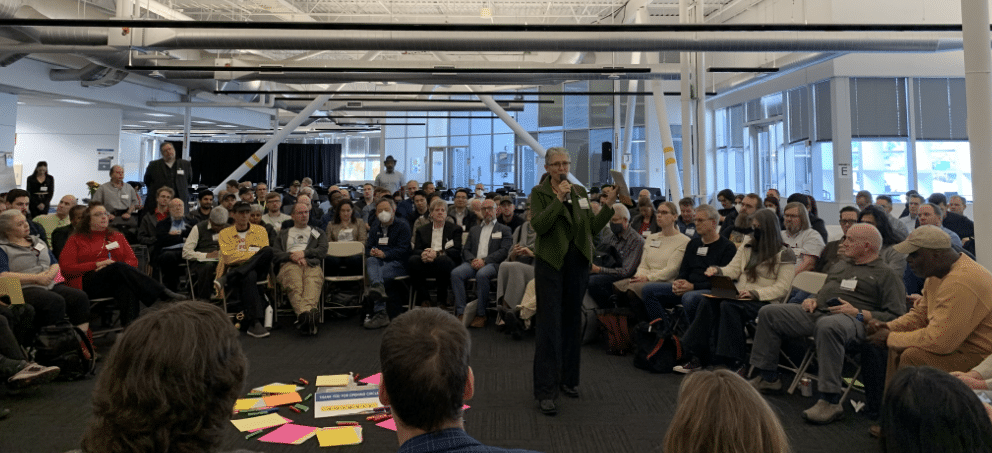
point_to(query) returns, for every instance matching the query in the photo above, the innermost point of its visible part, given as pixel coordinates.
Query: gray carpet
(621, 409)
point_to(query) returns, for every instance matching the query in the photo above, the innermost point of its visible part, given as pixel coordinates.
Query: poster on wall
(105, 158)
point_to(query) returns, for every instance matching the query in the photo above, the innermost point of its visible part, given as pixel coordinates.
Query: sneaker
(823, 413)
(258, 330)
(32, 374)
(688, 367)
(760, 384)
(478, 322)
(314, 316)
(378, 321)
(302, 324)
(218, 289)
(548, 407)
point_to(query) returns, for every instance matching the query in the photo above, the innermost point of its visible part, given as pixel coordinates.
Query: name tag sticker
(646, 233)
(315, 234)
(449, 244)
(39, 246)
(254, 248)
(384, 240)
(113, 246)
(584, 203)
(690, 231)
(702, 251)
(44, 189)
(215, 236)
(849, 284)
(656, 243)
(180, 172)
(497, 235)
(125, 196)
(346, 230)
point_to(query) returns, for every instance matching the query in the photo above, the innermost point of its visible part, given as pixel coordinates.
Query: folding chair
(342, 250)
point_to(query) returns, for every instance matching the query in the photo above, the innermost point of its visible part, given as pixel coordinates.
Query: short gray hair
(554, 151)
(7, 220)
(709, 211)
(621, 210)
(256, 208)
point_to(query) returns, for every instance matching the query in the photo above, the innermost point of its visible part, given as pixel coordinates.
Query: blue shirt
(451, 440)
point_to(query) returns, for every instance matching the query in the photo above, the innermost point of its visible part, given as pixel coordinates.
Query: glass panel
(528, 117)
(551, 114)
(826, 175)
(353, 170)
(437, 127)
(482, 123)
(577, 144)
(504, 161)
(576, 107)
(480, 167)
(437, 163)
(601, 107)
(944, 167)
(416, 127)
(356, 146)
(458, 168)
(459, 126)
(599, 171)
(879, 166)
(532, 167)
(416, 159)
(394, 131)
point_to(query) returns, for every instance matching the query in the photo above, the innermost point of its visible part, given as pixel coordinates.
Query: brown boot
(479, 321)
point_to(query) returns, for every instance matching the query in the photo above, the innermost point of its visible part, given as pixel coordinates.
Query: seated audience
(170, 235)
(862, 199)
(227, 201)
(762, 270)
(98, 260)
(727, 210)
(507, 216)
(27, 259)
(958, 223)
(146, 227)
(488, 245)
(437, 249)
(205, 202)
(19, 199)
(334, 198)
(15, 369)
(246, 194)
(957, 204)
(660, 258)
(950, 326)
(815, 221)
(121, 201)
(387, 250)
(368, 212)
(927, 410)
(863, 288)
(476, 206)
(202, 251)
(273, 216)
(518, 269)
(61, 234)
(874, 216)
(644, 222)
(298, 254)
(255, 217)
(231, 187)
(687, 212)
(289, 198)
(773, 204)
(718, 412)
(805, 243)
(618, 254)
(691, 284)
(245, 258)
(58, 219)
(885, 202)
(419, 207)
(979, 377)
(262, 189)
(739, 230)
(169, 384)
(345, 227)
(460, 214)
(831, 252)
(426, 379)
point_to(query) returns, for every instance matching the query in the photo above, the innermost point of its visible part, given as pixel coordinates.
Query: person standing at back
(565, 227)
(168, 172)
(41, 186)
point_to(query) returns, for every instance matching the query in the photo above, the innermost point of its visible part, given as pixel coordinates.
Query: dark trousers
(203, 273)
(52, 306)
(439, 269)
(168, 263)
(600, 289)
(335, 266)
(126, 285)
(719, 329)
(558, 327)
(873, 363)
(245, 277)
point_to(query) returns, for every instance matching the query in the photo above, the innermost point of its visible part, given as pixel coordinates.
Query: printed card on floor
(262, 422)
(282, 399)
(342, 435)
(289, 434)
(336, 380)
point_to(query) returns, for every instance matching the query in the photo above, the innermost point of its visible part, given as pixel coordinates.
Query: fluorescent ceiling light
(202, 122)
(160, 115)
(225, 125)
(152, 122)
(132, 125)
(76, 101)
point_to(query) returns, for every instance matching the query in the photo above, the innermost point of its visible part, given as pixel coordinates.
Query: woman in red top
(98, 260)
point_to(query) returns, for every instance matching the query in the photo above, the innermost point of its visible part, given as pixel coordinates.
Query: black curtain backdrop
(213, 162)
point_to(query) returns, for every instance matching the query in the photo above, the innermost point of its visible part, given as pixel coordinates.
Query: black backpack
(655, 348)
(65, 346)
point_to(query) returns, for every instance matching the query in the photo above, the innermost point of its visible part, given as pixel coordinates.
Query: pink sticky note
(288, 434)
(374, 379)
(388, 424)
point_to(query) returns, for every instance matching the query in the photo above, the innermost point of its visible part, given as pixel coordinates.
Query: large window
(360, 158)
(944, 167)
(879, 166)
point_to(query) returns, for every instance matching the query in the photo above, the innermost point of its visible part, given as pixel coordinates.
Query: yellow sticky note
(262, 422)
(279, 388)
(343, 435)
(337, 380)
(245, 403)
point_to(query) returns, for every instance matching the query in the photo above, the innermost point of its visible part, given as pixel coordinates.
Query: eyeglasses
(848, 222)
(560, 164)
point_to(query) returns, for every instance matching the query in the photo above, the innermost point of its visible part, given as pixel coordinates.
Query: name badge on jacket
(113, 246)
(497, 235)
(180, 172)
(384, 240)
(584, 203)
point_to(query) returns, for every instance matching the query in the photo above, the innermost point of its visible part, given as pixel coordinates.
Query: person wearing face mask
(388, 246)
(762, 270)
(170, 172)
(487, 246)
(625, 246)
(480, 191)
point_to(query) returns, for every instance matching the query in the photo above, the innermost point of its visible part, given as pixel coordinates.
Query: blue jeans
(379, 271)
(659, 296)
(483, 278)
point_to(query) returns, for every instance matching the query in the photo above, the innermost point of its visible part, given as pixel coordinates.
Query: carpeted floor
(621, 409)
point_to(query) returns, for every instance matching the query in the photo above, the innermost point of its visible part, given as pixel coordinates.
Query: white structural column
(840, 122)
(686, 91)
(668, 145)
(513, 124)
(978, 86)
(700, 142)
(276, 139)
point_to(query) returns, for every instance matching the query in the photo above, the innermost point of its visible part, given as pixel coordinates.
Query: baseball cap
(924, 237)
(240, 206)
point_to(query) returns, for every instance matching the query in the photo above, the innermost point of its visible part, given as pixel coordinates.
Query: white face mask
(479, 193)
(385, 216)
(738, 207)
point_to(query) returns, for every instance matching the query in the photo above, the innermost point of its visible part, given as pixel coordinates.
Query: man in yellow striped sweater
(246, 257)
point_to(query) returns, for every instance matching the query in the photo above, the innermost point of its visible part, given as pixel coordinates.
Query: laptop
(723, 287)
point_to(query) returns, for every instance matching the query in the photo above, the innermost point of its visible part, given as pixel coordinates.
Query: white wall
(8, 121)
(68, 139)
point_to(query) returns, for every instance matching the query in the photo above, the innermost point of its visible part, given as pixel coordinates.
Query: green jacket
(556, 226)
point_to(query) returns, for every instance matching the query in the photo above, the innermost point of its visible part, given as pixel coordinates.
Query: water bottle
(268, 317)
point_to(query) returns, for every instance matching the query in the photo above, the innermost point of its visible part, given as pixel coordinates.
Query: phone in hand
(834, 302)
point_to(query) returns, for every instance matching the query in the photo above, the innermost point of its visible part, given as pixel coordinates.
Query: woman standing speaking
(565, 225)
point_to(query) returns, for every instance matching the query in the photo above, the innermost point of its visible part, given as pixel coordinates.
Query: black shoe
(571, 392)
(513, 324)
(548, 407)
(4, 413)
(314, 315)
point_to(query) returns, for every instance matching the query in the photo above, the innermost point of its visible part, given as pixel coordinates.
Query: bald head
(862, 243)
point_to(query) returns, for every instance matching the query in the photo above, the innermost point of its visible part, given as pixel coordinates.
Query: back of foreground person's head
(719, 412)
(169, 383)
(927, 410)
(425, 372)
